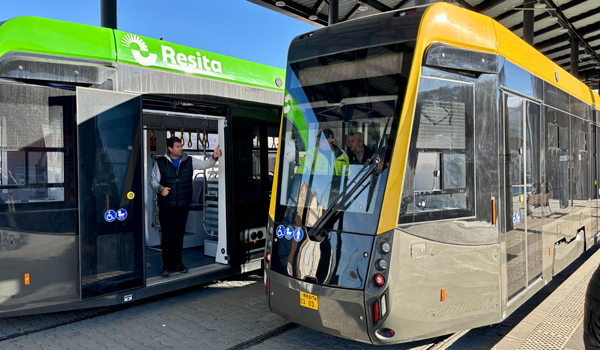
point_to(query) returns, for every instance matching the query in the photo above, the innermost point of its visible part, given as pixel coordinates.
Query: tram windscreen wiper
(346, 194)
(374, 174)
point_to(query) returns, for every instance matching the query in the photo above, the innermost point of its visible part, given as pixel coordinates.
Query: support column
(108, 14)
(528, 21)
(575, 57)
(334, 11)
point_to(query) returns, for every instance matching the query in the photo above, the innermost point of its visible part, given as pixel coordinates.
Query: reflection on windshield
(337, 112)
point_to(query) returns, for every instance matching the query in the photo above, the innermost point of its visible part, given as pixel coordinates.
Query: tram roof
(580, 18)
(79, 41)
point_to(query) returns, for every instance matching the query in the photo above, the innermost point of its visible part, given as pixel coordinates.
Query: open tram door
(205, 248)
(111, 225)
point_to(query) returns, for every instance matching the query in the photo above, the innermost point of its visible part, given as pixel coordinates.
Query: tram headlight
(382, 264)
(385, 247)
(268, 257)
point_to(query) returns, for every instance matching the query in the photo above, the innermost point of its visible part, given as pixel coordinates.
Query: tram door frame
(111, 253)
(518, 210)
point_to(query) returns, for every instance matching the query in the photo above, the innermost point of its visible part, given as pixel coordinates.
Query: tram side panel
(38, 199)
(445, 275)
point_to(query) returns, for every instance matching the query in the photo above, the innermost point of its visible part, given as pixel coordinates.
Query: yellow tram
(434, 172)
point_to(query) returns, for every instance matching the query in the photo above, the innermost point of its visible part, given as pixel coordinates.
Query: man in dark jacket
(357, 151)
(172, 181)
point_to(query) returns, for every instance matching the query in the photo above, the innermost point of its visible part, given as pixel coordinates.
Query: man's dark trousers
(172, 226)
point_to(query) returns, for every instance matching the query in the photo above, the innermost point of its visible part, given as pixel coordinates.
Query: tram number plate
(310, 301)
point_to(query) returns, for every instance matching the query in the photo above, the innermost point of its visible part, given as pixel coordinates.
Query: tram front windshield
(339, 113)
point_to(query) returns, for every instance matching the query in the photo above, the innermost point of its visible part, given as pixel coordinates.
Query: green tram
(476, 185)
(83, 113)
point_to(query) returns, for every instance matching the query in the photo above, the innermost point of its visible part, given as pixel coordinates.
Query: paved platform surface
(233, 315)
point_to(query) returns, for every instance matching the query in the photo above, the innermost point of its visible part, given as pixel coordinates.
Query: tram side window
(439, 177)
(37, 164)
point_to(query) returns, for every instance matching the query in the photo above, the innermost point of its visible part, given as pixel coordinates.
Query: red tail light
(379, 280)
(376, 312)
(268, 257)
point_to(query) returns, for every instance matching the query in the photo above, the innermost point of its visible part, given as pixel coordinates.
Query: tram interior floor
(192, 258)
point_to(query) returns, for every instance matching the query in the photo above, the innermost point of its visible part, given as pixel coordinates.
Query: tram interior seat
(198, 196)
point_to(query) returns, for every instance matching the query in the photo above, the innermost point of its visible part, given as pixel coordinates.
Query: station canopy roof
(556, 21)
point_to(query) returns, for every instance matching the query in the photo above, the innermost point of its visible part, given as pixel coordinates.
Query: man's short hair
(328, 133)
(360, 135)
(171, 141)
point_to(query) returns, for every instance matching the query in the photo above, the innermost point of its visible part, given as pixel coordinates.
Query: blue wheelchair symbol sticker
(110, 215)
(280, 231)
(121, 214)
(289, 232)
(298, 234)
(516, 218)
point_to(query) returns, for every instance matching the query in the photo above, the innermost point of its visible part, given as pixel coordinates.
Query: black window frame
(413, 153)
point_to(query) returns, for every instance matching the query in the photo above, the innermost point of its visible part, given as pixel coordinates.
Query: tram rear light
(376, 312)
(383, 306)
(391, 332)
(379, 280)
(268, 257)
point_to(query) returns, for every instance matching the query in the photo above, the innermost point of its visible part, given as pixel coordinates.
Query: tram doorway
(525, 197)
(205, 232)
(120, 234)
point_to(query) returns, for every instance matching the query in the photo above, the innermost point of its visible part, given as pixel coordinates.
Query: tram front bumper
(341, 312)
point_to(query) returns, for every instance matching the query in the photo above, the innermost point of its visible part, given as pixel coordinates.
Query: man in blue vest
(172, 181)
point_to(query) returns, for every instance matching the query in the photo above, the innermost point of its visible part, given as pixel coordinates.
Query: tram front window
(339, 114)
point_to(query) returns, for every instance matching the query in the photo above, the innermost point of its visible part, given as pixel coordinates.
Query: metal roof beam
(577, 34)
(580, 33)
(581, 52)
(464, 4)
(400, 4)
(488, 4)
(294, 10)
(567, 46)
(547, 14)
(374, 5)
(506, 15)
(318, 6)
(571, 20)
(352, 12)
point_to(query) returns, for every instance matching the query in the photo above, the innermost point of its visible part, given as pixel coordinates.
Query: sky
(234, 28)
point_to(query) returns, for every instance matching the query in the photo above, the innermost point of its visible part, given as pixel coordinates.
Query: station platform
(233, 315)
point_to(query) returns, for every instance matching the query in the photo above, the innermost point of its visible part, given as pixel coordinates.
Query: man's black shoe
(181, 268)
(165, 273)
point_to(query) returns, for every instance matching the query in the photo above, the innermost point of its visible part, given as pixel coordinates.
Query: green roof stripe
(59, 38)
